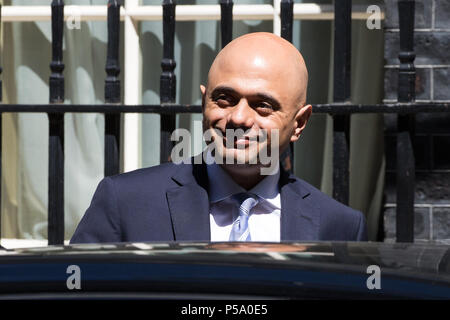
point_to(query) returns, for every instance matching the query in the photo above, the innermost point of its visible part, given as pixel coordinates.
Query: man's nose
(241, 115)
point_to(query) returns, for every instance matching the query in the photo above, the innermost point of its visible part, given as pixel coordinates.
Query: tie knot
(246, 202)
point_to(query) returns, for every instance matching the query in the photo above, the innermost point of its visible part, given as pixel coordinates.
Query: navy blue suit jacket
(170, 202)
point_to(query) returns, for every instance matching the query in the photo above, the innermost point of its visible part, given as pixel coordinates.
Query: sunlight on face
(256, 83)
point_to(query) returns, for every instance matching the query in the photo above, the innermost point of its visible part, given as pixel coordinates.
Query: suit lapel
(299, 216)
(189, 203)
(189, 207)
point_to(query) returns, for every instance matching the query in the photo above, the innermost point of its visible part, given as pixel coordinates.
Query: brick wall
(432, 137)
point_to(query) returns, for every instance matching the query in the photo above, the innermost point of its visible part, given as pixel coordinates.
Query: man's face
(251, 92)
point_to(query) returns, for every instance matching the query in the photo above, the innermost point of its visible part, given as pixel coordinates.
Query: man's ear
(301, 118)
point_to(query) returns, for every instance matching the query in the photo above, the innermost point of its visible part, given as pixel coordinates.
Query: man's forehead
(253, 67)
(252, 62)
(253, 56)
(252, 74)
(259, 55)
(246, 85)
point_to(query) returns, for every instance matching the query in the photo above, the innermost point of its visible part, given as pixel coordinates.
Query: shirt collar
(222, 186)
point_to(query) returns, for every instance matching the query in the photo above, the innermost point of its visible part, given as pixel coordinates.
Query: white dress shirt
(264, 220)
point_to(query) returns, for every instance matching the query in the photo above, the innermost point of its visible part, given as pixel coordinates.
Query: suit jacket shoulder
(337, 221)
(128, 207)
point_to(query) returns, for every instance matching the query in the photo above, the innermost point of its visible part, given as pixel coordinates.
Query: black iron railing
(1, 121)
(112, 90)
(341, 109)
(56, 130)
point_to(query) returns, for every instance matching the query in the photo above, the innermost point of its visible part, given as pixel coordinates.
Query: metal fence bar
(1, 91)
(287, 20)
(172, 108)
(56, 131)
(1, 128)
(112, 90)
(341, 123)
(226, 21)
(405, 125)
(168, 79)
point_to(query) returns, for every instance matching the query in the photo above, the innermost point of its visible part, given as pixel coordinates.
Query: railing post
(112, 91)
(405, 125)
(1, 128)
(287, 20)
(1, 91)
(56, 131)
(168, 79)
(341, 123)
(226, 21)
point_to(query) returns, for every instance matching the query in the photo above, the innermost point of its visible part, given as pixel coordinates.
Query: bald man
(254, 105)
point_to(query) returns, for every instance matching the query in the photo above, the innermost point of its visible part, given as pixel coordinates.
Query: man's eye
(223, 99)
(264, 105)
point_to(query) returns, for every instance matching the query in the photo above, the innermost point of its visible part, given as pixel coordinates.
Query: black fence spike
(341, 93)
(226, 21)
(112, 82)
(56, 179)
(168, 79)
(112, 91)
(407, 71)
(1, 86)
(1, 116)
(56, 65)
(56, 131)
(287, 19)
(405, 125)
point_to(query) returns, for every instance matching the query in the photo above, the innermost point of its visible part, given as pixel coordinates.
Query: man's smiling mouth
(239, 142)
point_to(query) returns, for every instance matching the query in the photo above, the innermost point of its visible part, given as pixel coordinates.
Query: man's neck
(247, 176)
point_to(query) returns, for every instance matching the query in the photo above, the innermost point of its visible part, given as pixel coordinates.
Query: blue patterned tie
(240, 230)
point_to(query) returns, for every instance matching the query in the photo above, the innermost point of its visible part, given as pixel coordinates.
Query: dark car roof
(282, 270)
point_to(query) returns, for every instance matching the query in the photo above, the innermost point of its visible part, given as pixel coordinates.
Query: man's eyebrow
(223, 89)
(261, 95)
(267, 97)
